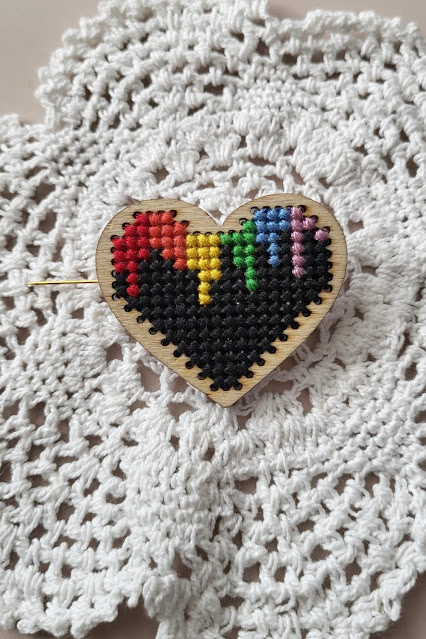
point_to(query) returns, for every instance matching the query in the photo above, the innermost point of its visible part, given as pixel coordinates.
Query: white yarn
(300, 512)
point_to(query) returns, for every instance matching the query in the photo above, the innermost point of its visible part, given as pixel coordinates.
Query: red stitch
(143, 242)
(133, 266)
(167, 230)
(180, 265)
(119, 256)
(168, 242)
(156, 243)
(132, 242)
(133, 290)
(119, 243)
(151, 230)
(131, 255)
(180, 252)
(179, 229)
(154, 219)
(155, 231)
(130, 231)
(142, 219)
(132, 278)
(168, 254)
(120, 267)
(166, 218)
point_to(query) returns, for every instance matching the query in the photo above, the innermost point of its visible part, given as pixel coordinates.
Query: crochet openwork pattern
(300, 511)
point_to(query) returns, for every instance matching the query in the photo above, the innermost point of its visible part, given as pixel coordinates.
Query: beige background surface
(29, 31)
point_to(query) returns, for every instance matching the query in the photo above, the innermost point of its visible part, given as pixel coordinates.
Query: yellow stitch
(204, 276)
(203, 240)
(204, 287)
(192, 264)
(204, 265)
(191, 253)
(191, 240)
(215, 274)
(204, 299)
(214, 239)
(204, 252)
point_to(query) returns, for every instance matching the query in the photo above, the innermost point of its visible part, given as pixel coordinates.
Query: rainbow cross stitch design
(223, 298)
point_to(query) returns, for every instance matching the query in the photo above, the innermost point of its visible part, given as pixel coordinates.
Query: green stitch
(244, 252)
(227, 238)
(249, 227)
(252, 285)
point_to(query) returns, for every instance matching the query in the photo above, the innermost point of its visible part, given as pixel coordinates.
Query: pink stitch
(321, 235)
(298, 271)
(309, 223)
(297, 225)
(297, 249)
(297, 221)
(298, 260)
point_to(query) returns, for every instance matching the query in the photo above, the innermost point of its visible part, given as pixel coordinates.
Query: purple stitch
(297, 222)
(309, 223)
(321, 235)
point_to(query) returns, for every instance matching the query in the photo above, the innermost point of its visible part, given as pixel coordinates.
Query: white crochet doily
(300, 512)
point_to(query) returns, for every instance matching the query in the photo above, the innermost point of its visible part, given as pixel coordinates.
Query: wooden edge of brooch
(201, 221)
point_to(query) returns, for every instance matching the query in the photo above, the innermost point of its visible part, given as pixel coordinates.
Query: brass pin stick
(54, 282)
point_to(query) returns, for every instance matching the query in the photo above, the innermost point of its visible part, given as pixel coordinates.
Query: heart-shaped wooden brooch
(222, 306)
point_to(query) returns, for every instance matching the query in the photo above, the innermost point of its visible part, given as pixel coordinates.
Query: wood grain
(199, 220)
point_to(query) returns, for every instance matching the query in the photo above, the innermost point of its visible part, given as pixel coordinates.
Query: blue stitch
(262, 238)
(261, 215)
(274, 260)
(273, 227)
(269, 223)
(261, 227)
(284, 215)
(284, 225)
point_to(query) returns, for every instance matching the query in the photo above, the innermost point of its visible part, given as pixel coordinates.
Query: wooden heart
(222, 306)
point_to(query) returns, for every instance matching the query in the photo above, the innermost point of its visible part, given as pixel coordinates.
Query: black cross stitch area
(227, 336)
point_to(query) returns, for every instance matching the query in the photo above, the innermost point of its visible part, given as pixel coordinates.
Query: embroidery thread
(223, 298)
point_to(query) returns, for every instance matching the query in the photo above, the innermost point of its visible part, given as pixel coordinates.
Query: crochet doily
(300, 511)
